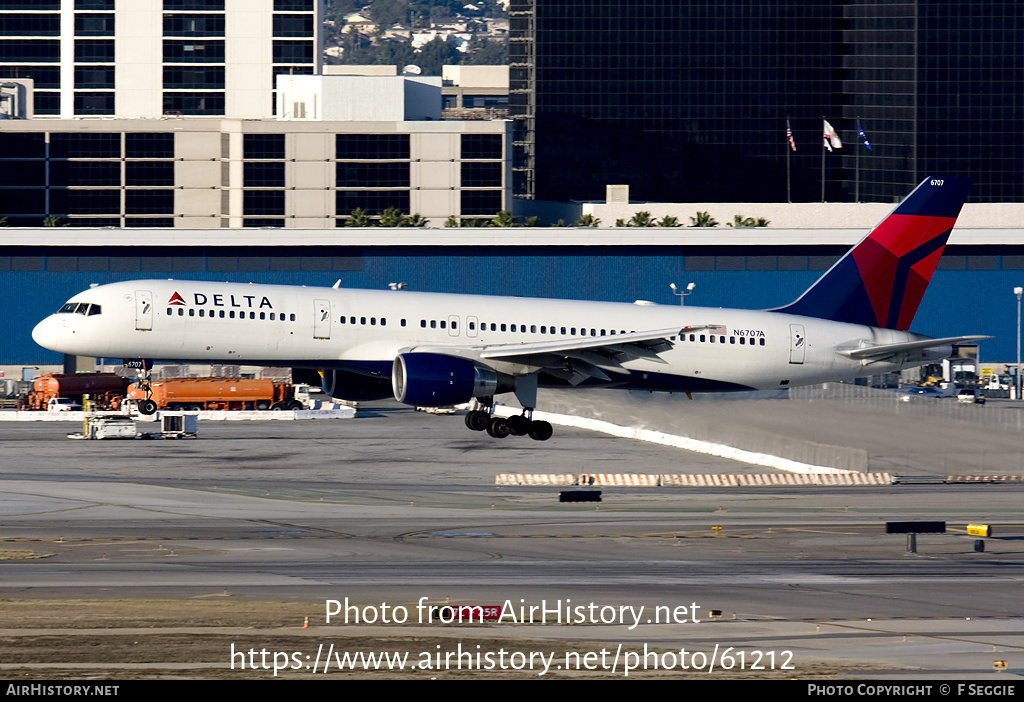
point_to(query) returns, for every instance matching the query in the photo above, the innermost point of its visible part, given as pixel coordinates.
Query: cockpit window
(83, 308)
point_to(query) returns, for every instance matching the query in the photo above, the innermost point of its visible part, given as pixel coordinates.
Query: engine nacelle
(346, 385)
(437, 380)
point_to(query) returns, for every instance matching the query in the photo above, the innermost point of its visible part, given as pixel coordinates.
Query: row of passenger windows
(231, 314)
(712, 339)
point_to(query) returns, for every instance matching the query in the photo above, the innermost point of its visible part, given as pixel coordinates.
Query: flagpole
(789, 136)
(823, 165)
(856, 185)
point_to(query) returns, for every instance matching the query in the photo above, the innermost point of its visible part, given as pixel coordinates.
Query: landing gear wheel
(518, 425)
(540, 431)
(497, 427)
(477, 420)
(147, 407)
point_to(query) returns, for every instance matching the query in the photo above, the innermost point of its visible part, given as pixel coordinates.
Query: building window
(36, 51)
(372, 146)
(194, 103)
(94, 103)
(94, 76)
(44, 76)
(176, 51)
(91, 145)
(94, 25)
(29, 25)
(143, 145)
(293, 5)
(203, 77)
(481, 202)
(293, 25)
(94, 50)
(372, 175)
(263, 146)
(260, 174)
(149, 202)
(293, 51)
(263, 202)
(209, 5)
(481, 146)
(85, 173)
(194, 25)
(482, 175)
(149, 173)
(370, 200)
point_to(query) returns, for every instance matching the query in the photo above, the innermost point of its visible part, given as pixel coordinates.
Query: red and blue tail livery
(880, 282)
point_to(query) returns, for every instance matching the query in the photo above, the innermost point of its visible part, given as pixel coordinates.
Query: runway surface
(396, 507)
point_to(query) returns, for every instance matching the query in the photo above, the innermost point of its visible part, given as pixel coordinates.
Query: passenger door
(143, 310)
(797, 343)
(321, 319)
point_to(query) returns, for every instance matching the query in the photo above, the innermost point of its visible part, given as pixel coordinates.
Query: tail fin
(881, 280)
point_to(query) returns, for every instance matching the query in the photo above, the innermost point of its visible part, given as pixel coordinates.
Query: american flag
(789, 136)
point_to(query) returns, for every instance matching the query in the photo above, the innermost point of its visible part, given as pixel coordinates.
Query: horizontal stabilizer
(908, 346)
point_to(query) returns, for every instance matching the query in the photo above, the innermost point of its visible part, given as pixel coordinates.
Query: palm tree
(641, 219)
(358, 218)
(741, 221)
(451, 222)
(392, 217)
(504, 218)
(669, 221)
(588, 220)
(703, 219)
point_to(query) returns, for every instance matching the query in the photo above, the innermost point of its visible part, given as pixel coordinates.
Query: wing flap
(909, 346)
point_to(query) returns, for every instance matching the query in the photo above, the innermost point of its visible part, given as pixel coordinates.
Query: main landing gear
(516, 425)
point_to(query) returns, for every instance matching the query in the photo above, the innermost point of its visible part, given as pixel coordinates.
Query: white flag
(831, 138)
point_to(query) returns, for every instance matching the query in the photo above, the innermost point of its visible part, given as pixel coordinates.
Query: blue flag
(862, 135)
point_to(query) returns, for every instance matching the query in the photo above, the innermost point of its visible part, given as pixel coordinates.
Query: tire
(278, 407)
(295, 405)
(497, 427)
(518, 425)
(477, 420)
(147, 407)
(540, 431)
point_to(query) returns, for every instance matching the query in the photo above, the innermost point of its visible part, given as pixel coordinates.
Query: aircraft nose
(46, 333)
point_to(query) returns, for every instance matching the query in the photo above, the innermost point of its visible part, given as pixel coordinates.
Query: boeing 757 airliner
(430, 349)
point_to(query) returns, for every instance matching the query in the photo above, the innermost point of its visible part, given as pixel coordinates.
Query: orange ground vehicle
(105, 390)
(223, 394)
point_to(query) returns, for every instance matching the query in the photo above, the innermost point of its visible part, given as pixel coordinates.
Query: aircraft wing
(908, 346)
(579, 358)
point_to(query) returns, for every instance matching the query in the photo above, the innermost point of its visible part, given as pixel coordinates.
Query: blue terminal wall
(961, 301)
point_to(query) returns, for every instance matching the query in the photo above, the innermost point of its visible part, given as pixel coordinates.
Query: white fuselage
(364, 331)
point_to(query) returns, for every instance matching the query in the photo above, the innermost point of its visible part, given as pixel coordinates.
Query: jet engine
(346, 385)
(437, 380)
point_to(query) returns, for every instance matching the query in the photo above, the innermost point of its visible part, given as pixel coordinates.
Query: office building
(147, 58)
(255, 173)
(689, 101)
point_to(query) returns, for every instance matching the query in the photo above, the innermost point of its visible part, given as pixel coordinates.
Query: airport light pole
(1018, 291)
(681, 294)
